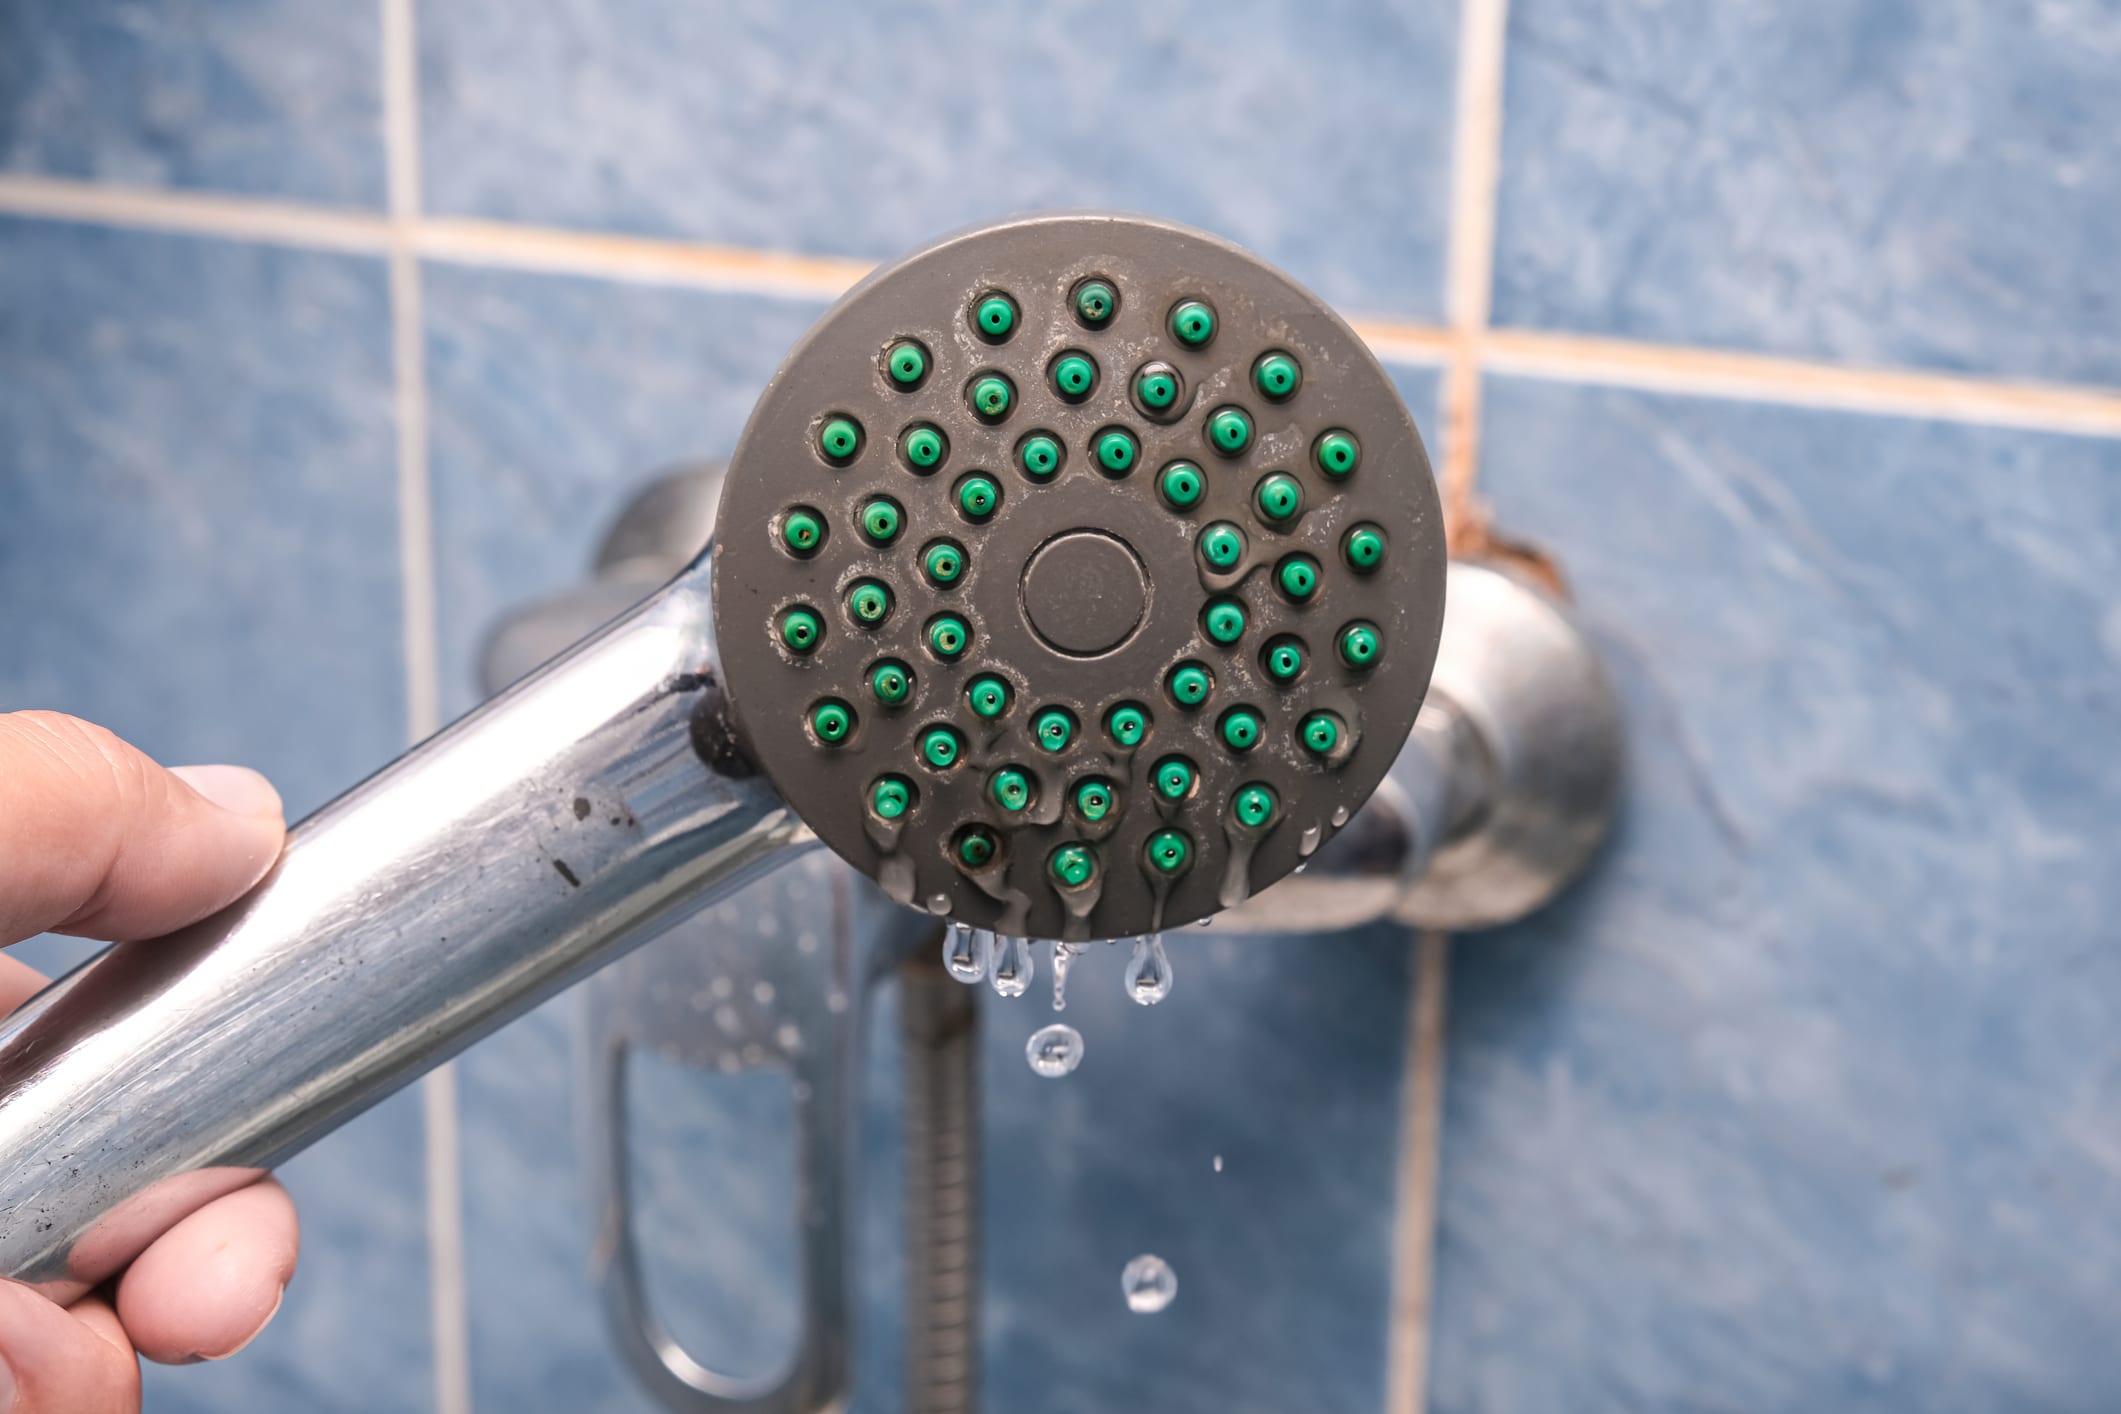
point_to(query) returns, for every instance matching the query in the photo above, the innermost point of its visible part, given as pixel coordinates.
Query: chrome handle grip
(488, 868)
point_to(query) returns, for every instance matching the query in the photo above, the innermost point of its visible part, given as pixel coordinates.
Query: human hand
(98, 840)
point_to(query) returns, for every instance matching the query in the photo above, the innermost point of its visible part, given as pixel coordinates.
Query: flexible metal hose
(939, 1023)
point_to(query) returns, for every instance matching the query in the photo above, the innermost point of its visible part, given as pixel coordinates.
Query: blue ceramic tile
(553, 400)
(1282, 1056)
(198, 548)
(1807, 1099)
(1924, 182)
(1317, 135)
(278, 98)
(1422, 391)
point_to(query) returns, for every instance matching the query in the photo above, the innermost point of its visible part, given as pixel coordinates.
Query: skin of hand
(97, 839)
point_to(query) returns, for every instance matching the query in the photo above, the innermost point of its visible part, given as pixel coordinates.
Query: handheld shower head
(1077, 576)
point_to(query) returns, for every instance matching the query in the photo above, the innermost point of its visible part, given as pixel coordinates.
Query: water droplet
(1149, 971)
(788, 1038)
(1301, 867)
(806, 944)
(938, 904)
(726, 1018)
(1149, 1284)
(723, 988)
(1218, 1163)
(1340, 816)
(1064, 955)
(965, 953)
(768, 925)
(1054, 1050)
(754, 1053)
(1009, 965)
(764, 993)
(836, 1000)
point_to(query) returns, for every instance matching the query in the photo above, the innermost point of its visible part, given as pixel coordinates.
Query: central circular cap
(1085, 593)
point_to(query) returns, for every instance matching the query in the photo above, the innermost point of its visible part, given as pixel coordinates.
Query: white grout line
(1469, 274)
(1942, 397)
(1972, 399)
(448, 1309)
(188, 213)
(1420, 1149)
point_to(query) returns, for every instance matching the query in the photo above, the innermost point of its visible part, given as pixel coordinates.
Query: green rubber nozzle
(1169, 852)
(1298, 577)
(948, 635)
(908, 363)
(1174, 777)
(839, 439)
(977, 847)
(890, 797)
(1181, 485)
(988, 696)
(1242, 728)
(1360, 644)
(1222, 545)
(881, 519)
(1010, 789)
(1225, 621)
(1093, 800)
(1072, 866)
(832, 721)
(1190, 684)
(891, 682)
(1254, 805)
(978, 495)
(1053, 729)
(1192, 323)
(923, 447)
(1364, 548)
(1277, 376)
(1284, 660)
(1322, 733)
(1127, 724)
(940, 747)
(1040, 456)
(995, 316)
(1074, 375)
(1116, 450)
(1279, 498)
(1338, 454)
(801, 630)
(944, 563)
(1095, 300)
(869, 602)
(1230, 429)
(802, 531)
(1157, 387)
(991, 396)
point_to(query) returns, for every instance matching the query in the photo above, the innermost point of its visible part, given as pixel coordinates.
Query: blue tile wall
(1283, 1057)
(1807, 1099)
(1925, 182)
(277, 98)
(1318, 135)
(198, 548)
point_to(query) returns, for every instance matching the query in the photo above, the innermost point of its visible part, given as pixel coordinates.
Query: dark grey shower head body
(1076, 576)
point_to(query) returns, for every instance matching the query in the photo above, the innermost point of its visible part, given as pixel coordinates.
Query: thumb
(96, 838)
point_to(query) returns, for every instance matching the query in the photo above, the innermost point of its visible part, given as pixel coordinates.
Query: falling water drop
(1149, 971)
(1054, 1050)
(1149, 1284)
(965, 953)
(1064, 955)
(1218, 1163)
(1009, 965)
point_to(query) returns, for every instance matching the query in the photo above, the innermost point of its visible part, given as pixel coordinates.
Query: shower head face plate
(1048, 538)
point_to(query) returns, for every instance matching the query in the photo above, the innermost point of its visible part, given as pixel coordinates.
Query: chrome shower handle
(584, 810)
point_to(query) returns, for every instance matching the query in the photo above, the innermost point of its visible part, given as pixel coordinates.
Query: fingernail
(234, 788)
(240, 1346)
